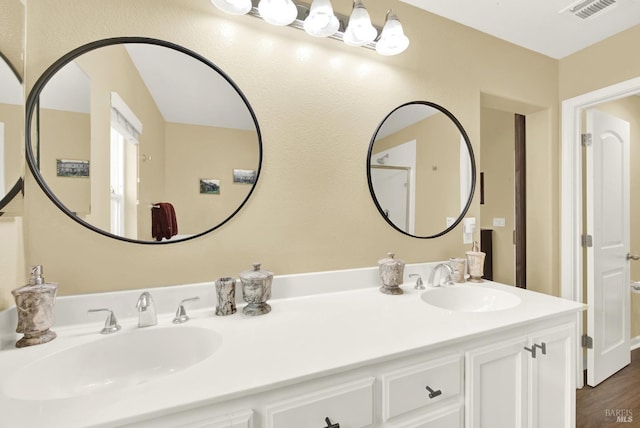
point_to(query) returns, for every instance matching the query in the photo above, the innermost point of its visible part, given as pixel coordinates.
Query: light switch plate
(499, 222)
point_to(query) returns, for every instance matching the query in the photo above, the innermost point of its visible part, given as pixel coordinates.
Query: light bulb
(234, 7)
(392, 39)
(359, 31)
(321, 21)
(278, 12)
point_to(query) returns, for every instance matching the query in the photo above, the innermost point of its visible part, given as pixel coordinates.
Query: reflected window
(117, 183)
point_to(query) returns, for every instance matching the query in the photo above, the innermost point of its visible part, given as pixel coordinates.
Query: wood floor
(619, 395)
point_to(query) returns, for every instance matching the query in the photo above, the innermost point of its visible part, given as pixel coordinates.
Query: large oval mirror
(11, 128)
(421, 169)
(142, 140)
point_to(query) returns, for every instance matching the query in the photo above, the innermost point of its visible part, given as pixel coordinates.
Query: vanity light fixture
(392, 40)
(278, 12)
(234, 7)
(319, 20)
(359, 31)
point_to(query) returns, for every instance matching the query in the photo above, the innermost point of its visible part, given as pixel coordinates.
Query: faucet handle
(111, 324)
(419, 284)
(181, 314)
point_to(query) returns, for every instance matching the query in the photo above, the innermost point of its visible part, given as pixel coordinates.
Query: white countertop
(302, 338)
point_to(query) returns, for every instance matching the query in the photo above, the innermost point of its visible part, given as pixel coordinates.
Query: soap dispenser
(35, 308)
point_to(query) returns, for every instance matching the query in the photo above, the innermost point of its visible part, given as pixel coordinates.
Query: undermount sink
(119, 361)
(469, 298)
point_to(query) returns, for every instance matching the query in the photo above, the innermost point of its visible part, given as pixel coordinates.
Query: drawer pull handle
(542, 346)
(331, 425)
(432, 393)
(532, 350)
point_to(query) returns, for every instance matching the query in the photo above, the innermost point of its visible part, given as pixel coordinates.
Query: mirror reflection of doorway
(392, 184)
(503, 209)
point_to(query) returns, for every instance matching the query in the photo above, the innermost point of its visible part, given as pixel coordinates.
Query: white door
(607, 219)
(391, 185)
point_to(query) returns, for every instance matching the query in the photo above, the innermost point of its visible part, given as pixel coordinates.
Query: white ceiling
(544, 26)
(187, 90)
(184, 89)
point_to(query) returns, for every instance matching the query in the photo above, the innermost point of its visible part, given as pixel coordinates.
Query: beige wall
(611, 61)
(12, 32)
(66, 135)
(195, 152)
(498, 164)
(318, 103)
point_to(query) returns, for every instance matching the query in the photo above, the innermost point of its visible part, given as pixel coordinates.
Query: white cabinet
(488, 381)
(523, 382)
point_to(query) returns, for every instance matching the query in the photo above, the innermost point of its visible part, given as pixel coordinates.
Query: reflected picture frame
(209, 186)
(244, 176)
(75, 168)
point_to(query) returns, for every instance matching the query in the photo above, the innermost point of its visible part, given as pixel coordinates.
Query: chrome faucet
(146, 310)
(447, 279)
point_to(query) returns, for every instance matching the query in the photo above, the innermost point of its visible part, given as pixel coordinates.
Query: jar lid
(256, 273)
(390, 260)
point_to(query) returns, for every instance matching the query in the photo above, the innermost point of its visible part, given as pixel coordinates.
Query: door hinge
(587, 241)
(587, 341)
(586, 140)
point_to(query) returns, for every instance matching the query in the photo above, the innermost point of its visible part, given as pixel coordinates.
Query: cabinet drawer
(450, 417)
(409, 388)
(349, 404)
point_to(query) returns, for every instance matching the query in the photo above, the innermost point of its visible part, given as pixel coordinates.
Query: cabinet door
(497, 385)
(552, 379)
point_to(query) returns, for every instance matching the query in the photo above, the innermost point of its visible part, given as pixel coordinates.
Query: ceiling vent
(589, 8)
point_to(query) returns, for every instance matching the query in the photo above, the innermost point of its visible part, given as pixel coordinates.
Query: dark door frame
(520, 195)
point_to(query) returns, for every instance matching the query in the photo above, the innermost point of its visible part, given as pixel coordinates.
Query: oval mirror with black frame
(11, 128)
(142, 140)
(421, 169)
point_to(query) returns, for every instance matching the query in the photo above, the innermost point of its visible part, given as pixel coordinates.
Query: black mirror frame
(18, 186)
(33, 102)
(471, 159)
